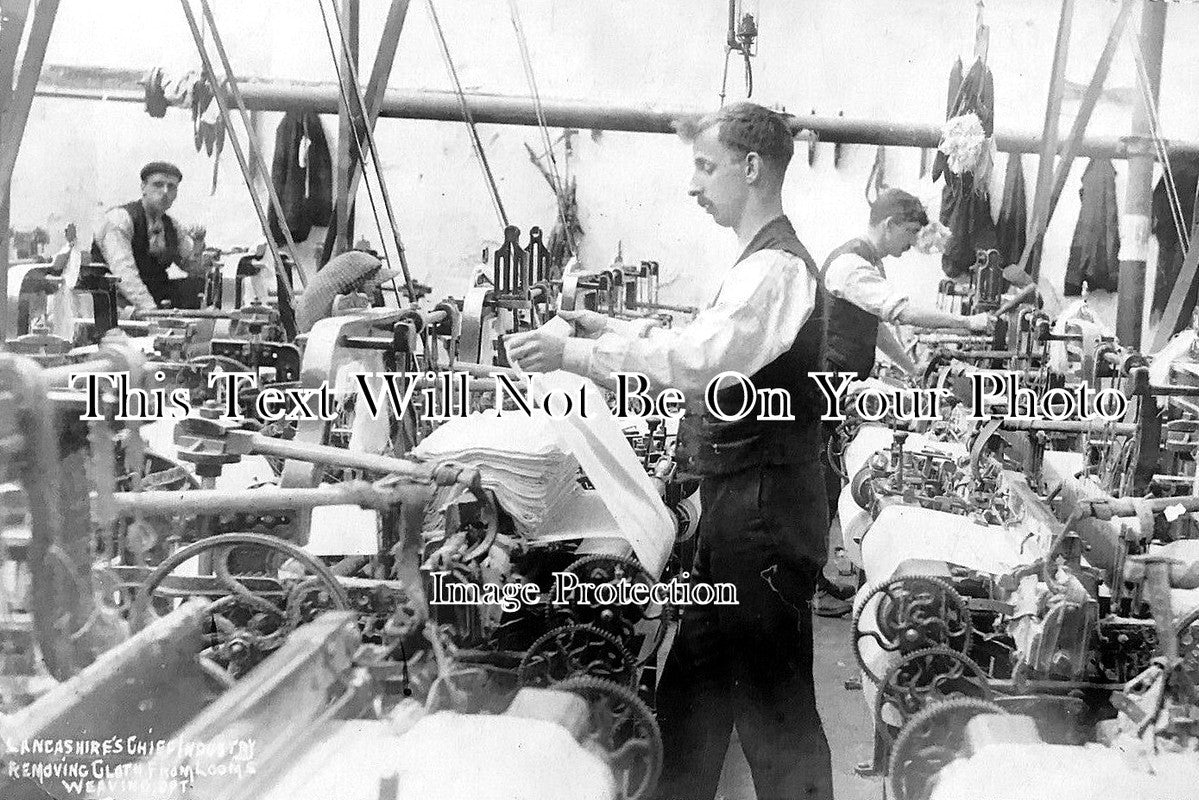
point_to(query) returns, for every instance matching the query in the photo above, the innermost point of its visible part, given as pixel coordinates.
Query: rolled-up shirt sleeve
(855, 279)
(756, 316)
(116, 242)
(191, 261)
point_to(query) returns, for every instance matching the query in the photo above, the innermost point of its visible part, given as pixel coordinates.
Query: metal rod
(1071, 426)
(665, 307)
(286, 298)
(245, 442)
(255, 150)
(346, 132)
(1138, 200)
(225, 501)
(492, 109)
(1127, 507)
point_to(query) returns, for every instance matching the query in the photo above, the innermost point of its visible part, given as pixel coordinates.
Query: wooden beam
(375, 89)
(1053, 110)
(15, 105)
(22, 97)
(13, 15)
(1089, 101)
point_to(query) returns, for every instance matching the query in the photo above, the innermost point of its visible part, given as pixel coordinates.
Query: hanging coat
(1169, 249)
(1095, 250)
(966, 212)
(302, 172)
(1012, 228)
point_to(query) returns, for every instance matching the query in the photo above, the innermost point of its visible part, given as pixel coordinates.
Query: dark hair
(900, 205)
(747, 128)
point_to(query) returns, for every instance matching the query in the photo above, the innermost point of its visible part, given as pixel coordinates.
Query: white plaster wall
(884, 59)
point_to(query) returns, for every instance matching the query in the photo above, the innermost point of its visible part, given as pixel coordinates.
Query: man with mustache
(764, 522)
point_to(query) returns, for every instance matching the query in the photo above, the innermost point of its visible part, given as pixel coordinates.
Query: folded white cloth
(518, 457)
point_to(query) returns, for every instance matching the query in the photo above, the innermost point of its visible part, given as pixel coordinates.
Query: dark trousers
(750, 664)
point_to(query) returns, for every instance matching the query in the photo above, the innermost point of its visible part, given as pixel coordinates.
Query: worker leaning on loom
(155, 257)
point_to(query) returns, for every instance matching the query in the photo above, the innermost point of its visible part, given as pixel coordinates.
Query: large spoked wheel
(625, 729)
(931, 740)
(921, 679)
(908, 614)
(576, 650)
(293, 587)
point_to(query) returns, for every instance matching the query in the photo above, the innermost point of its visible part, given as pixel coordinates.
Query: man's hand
(535, 351)
(587, 324)
(980, 323)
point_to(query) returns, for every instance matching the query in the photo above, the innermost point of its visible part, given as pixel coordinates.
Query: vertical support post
(1053, 111)
(375, 89)
(1138, 200)
(15, 104)
(346, 131)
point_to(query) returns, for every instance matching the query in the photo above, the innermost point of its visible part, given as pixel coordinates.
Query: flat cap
(165, 167)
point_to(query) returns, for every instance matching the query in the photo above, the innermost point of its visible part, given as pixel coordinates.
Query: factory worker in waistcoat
(861, 297)
(764, 524)
(863, 303)
(155, 257)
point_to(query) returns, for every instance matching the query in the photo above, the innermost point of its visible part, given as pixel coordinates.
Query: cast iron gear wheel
(576, 650)
(601, 568)
(860, 488)
(906, 624)
(929, 741)
(623, 725)
(927, 676)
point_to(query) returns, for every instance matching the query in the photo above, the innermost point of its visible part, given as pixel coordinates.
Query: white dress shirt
(754, 318)
(855, 279)
(116, 242)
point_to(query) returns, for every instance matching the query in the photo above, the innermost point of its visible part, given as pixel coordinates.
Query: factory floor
(843, 712)
(846, 722)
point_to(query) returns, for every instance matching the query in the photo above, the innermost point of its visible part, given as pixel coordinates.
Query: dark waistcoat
(711, 446)
(150, 266)
(850, 332)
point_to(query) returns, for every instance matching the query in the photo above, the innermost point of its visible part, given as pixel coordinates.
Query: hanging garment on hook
(876, 182)
(965, 200)
(302, 172)
(1012, 227)
(1095, 250)
(813, 140)
(838, 148)
(1171, 251)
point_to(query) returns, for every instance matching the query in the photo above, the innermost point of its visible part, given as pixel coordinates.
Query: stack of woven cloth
(518, 457)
